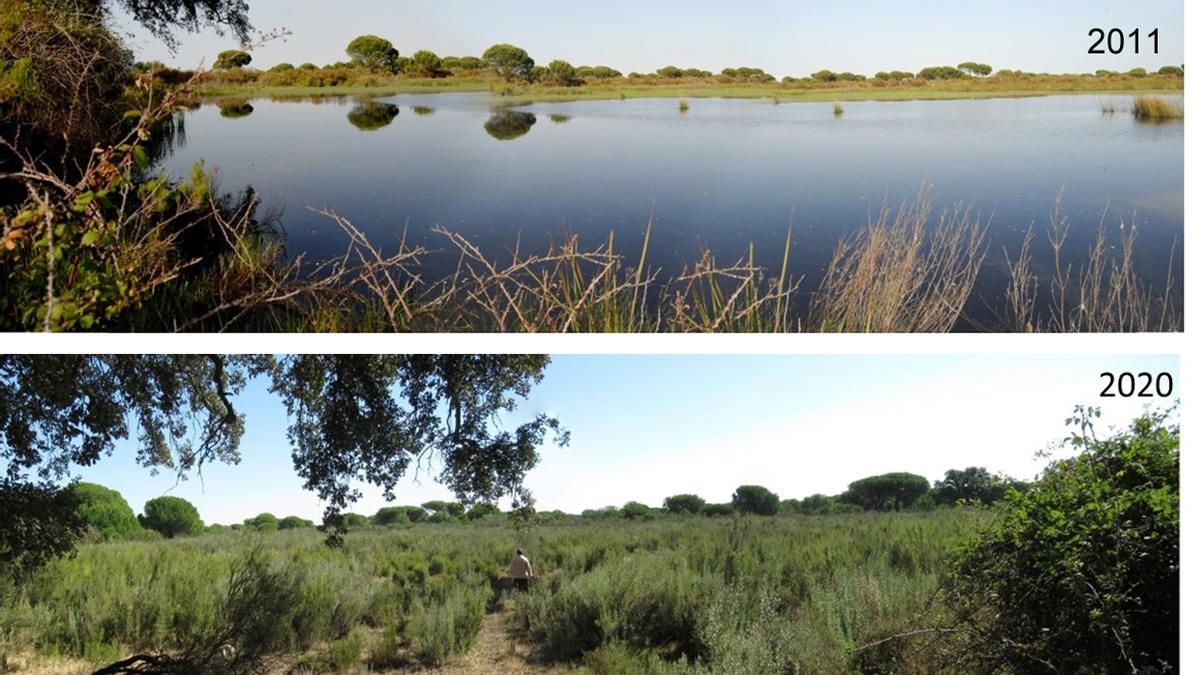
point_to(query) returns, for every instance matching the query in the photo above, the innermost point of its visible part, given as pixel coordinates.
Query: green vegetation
(509, 62)
(105, 512)
(98, 242)
(171, 517)
(756, 500)
(232, 58)
(373, 53)
(1087, 556)
(1078, 572)
(888, 492)
(1156, 108)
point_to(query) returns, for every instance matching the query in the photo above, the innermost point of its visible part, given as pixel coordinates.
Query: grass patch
(838, 110)
(1156, 108)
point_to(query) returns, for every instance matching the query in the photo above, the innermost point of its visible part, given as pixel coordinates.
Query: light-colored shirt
(520, 568)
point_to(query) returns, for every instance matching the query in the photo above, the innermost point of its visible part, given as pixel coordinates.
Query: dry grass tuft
(899, 274)
(1104, 294)
(1156, 108)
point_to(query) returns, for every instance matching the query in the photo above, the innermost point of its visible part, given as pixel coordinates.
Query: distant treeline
(514, 64)
(109, 517)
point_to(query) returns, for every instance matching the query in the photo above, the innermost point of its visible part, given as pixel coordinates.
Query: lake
(723, 174)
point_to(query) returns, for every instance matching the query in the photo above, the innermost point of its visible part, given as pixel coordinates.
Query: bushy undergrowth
(679, 593)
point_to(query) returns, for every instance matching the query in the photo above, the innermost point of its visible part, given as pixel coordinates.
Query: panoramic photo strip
(625, 167)
(474, 514)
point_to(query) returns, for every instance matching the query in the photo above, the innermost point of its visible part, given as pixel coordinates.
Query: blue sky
(645, 427)
(785, 37)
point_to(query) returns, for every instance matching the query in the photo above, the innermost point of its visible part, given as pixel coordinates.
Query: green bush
(649, 602)
(1082, 572)
(438, 630)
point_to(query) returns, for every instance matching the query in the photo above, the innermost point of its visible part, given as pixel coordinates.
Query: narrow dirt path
(498, 650)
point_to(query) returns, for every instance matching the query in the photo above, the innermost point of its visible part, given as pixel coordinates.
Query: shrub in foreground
(1082, 572)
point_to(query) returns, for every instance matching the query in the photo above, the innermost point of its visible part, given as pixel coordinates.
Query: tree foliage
(689, 504)
(976, 69)
(756, 499)
(374, 52)
(973, 484)
(294, 523)
(718, 510)
(1082, 572)
(171, 517)
(562, 73)
(359, 418)
(163, 17)
(479, 511)
(637, 511)
(105, 511)
(391, 515)
(941, 73)
(426, 64)
(232, 58)
(263, 522)
(887, 492)
(510, 62)
(40, 522)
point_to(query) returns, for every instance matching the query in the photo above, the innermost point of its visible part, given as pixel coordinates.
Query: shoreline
(567, 95)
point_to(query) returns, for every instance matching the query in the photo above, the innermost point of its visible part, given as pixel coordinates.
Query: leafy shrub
(649, 602)
(1082, 572)
(439, 630)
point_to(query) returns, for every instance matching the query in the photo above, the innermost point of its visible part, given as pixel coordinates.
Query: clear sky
(784, 37)
(646, 427)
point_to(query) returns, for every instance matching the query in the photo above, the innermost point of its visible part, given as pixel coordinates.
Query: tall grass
(902, 273)
(1104, 293)
(1156, 108)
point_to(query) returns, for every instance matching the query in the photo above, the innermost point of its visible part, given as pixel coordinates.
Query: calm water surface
(724, 174)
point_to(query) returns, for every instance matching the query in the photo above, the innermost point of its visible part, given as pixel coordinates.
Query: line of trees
(514, 64)
(885, 492)
(106, 513)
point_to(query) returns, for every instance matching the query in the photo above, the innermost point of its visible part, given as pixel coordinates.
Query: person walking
(521, 571)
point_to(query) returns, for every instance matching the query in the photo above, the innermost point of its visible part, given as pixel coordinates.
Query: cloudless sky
(646, 427)
(784, 37)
